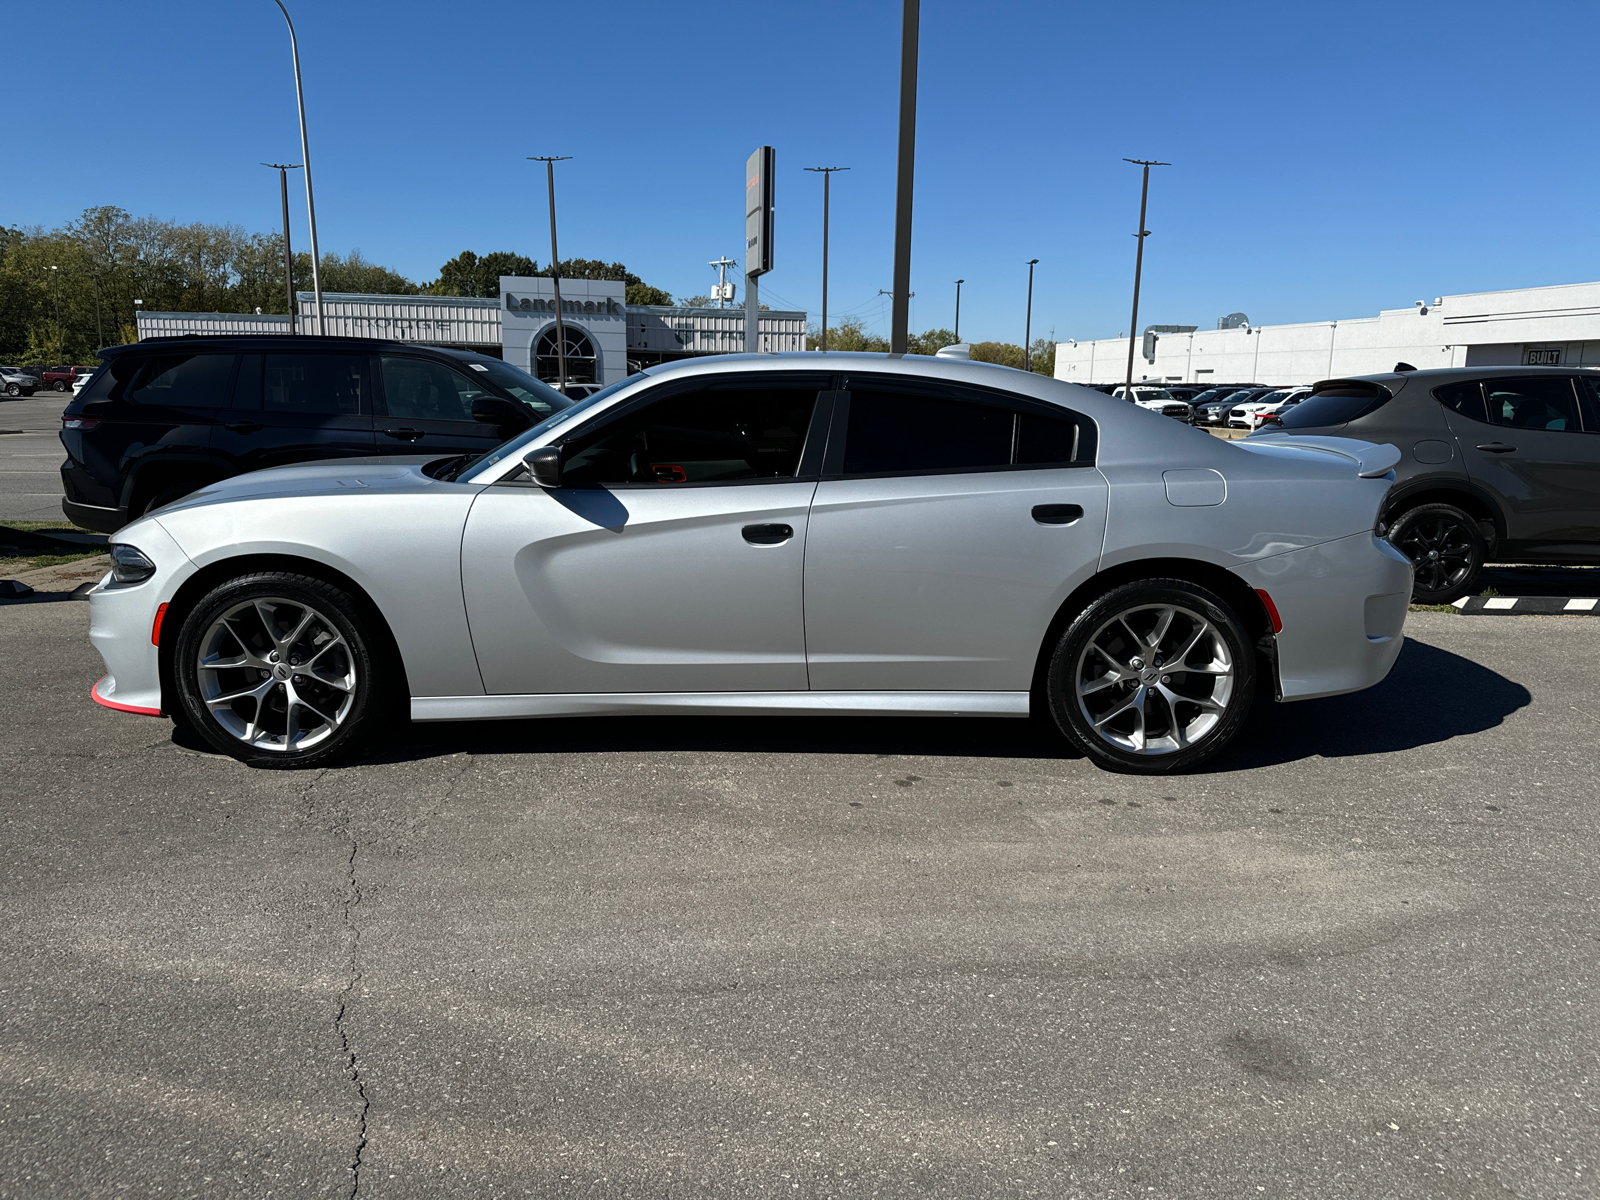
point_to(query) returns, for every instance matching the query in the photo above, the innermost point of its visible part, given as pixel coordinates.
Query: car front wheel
(1153, 677)
(283, 670)
(1445, 547)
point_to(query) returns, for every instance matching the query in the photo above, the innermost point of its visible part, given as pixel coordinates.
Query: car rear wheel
(1153, 677)
(283, 670)
(13, 390)
(59, 386)
(1445, 546)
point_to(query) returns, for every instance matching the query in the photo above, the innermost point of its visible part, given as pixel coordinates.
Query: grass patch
(39, 526)
(15, 566)
(1446, 608)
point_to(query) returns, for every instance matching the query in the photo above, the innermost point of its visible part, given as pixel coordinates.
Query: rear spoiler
(1372, 461)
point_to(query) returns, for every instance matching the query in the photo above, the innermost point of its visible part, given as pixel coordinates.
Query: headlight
(129, 565)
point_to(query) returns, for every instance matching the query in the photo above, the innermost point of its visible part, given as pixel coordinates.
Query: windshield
(572, 411)
(1151, 394)
(1335, 406)
(539, 396)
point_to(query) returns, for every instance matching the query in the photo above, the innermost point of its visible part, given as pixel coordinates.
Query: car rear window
(1336, 405)
(183, 381)
(1464, 398)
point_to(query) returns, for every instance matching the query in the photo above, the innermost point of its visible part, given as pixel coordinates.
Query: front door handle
(1057, 514)
(1497, 448)
(403, 435)
(767, 535)
(242, 427)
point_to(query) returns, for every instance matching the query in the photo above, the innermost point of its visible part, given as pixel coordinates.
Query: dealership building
(1544, 326)
(606, 338)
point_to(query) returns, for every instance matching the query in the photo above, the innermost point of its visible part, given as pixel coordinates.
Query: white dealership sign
(592, 310)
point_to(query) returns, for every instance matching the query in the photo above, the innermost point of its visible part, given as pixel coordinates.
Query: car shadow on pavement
(1430, 696)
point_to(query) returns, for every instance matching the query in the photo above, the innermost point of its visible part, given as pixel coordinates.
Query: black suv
(164, 417)
(1501, 464)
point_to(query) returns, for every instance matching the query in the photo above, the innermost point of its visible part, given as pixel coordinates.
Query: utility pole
(1027, 328)
(722, 264)
(899, 334)
(827, 174)
(959, 282)
(550, 161)
(1138, 264)
(305, 157)
(55, 278)
(283, 170)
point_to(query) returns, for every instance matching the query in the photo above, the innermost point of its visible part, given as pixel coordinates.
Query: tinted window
(315, 383)
(183, 381)
(1045, 440)
(708, 436)
(893, 431)
(540, 397)
(1464, 398)
(1334, 407)
(422, 389)
(1532, 403)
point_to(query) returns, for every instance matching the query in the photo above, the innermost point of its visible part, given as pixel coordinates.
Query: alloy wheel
(1155, 679)
(276, 674)
(1441, 550)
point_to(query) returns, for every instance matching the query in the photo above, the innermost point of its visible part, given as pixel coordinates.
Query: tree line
(851, 334)
(66, 292)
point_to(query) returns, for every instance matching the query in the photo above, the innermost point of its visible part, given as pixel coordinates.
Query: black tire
(1167, 728)
(13, 390)
(338, 631)
(59, 386)
(1446, 548)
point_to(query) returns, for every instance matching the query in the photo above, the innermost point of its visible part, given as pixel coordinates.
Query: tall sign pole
(758, 200)
(1138, 264)
(283, 170)
(899, 335)
(827, 176)
(550, 162)
(1027, 327)
(959, 282)
(305, 158)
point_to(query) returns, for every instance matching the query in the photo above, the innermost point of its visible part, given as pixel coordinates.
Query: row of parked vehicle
(1234, 405)
(25, 381)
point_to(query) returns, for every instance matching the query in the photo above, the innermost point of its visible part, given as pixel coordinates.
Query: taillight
(1272, 611)
(80, 422)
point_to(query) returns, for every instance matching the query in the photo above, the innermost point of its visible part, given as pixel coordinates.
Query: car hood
(334, 477)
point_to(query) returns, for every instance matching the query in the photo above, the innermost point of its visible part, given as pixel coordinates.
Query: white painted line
(1500, 602)
(1461, 603)
(1581, 605)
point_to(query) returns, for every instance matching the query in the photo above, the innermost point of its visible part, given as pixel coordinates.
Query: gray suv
(1500, 464)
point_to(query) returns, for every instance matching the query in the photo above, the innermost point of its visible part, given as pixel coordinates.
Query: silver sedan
(781, 535)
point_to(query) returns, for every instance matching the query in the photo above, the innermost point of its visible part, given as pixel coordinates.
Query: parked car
(795, 534)
(168, 415)
(1236, 402)
(14, 381)
(60, 379)
(1272, 414)
(1155, 399)
(1211, 406)
(1500, 464)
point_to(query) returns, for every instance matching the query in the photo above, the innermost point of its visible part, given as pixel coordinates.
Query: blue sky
(1328, 159)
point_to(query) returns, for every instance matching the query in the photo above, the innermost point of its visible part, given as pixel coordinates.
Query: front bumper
(122, 621)
(1343, 604)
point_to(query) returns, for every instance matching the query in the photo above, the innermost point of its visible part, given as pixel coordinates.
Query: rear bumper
(1343, 605)
(92, 516)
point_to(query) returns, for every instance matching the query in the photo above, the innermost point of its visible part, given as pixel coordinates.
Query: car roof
(270, 341)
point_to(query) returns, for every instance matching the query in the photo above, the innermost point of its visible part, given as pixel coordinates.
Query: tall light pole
(1027, 326)
(827, 175)
(55, 279)
(899, 334)
(305, 157)
(283, 170)
(1138, 264)
(550, 161)
(959, 282)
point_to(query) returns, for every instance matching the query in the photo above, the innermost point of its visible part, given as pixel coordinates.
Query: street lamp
(959, 282)
(1027, 327)
(305, 157)
(827, 176)
(550, 162)
(900, 300)
(1138, 264)
(283, 170)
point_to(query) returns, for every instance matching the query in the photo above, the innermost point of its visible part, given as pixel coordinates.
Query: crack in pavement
(352, 1069)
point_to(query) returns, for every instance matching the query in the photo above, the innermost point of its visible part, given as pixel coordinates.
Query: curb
(1514, 606)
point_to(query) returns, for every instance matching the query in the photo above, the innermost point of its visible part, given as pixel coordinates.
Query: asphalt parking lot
(30, 456)
(673, 958)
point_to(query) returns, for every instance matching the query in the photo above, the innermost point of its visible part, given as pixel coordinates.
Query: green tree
(468, 275)
(850, 334)
(643, 293)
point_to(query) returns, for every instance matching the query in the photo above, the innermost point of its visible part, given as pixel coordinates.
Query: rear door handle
(1057, 514)
(1497, 448)
(242, 427)
(767, 535)
(403, 435)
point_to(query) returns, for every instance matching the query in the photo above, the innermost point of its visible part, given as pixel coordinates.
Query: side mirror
(492, 410)
(544, 464)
